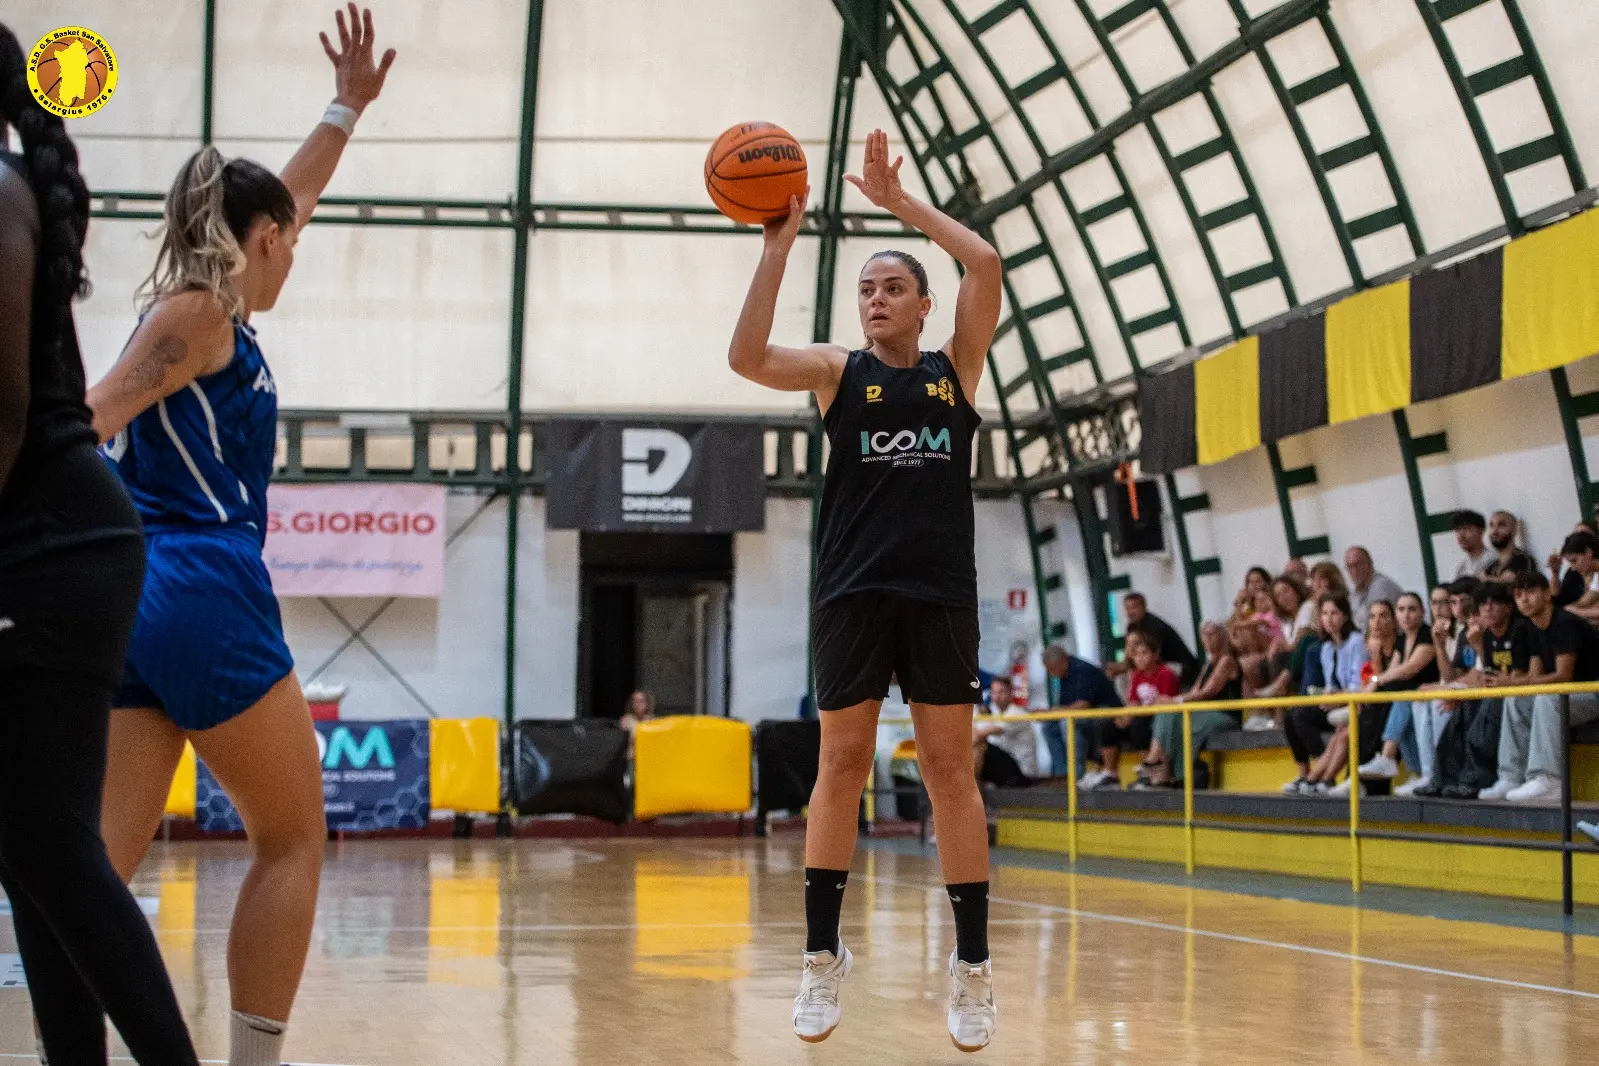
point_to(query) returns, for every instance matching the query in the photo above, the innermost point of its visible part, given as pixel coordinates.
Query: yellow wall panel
(1368, 353)
(1551, 297)
(1227, 401)
(691, 765)
(464, 765)
(180, 798)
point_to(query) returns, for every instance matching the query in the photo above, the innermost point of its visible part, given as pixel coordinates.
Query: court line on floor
(601, 927)
(1238, 938)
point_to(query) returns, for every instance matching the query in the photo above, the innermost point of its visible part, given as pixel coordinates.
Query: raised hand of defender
(879, 180)
(358, 80)
(781, 233)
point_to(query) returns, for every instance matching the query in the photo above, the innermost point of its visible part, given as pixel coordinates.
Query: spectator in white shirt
(1469, 527)
(1366, 585)
(1004, 754)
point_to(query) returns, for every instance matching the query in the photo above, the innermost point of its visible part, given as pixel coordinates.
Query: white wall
(771, 579)
(452, 650)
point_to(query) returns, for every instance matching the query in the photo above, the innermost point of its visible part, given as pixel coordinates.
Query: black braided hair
(58, 187)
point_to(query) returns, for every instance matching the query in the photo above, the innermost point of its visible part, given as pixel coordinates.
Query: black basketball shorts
(863, 641)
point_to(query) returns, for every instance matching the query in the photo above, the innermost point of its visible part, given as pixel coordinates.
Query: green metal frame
(513, 444)
(208, 73)
(1574, 408)
(1412, 449)
(830, 223)
(1500, 163)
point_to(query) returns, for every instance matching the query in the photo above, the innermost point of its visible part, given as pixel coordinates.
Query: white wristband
(342, 116)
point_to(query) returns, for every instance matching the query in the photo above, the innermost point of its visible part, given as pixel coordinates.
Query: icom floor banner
(680, 477)
(356, 540)
(375, 775)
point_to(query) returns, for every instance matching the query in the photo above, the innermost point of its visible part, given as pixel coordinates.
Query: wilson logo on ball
(777, 153)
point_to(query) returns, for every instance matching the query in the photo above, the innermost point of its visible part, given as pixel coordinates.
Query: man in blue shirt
(1074, 684)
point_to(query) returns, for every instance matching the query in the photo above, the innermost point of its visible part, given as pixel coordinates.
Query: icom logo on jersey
(905, 445)
(653, 462)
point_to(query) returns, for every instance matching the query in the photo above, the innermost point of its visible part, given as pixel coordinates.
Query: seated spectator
(1469, 527)
(1296, 569)
(1292, 606)
(1325, 580)
(1219, 679)
(1074, 684)
(1509, 562)
(1468, 740)
(1262, 664)
(1383, 653)
(1173, 648)
(1567, 585)
(1557, 647)
(1581, 555)
(1366, 585)
(1149, 681)
(1004, 754)
(1414, 663)
(1254, 597)
(1337, 669)
(1428, 715)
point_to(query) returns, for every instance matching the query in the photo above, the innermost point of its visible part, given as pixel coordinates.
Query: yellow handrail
(1275, 703)
(1355, 701)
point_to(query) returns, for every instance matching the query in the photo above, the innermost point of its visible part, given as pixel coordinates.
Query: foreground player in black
(71, 563)
(896, 578)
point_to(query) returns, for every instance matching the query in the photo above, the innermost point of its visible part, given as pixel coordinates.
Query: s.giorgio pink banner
(356, 540)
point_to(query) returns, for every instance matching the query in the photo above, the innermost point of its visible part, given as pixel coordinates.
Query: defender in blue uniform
(208, 644)
(189, 419)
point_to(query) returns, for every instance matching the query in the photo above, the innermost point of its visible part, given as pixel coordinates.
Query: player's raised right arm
(814, 368)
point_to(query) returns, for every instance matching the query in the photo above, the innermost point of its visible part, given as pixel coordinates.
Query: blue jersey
(203, 456)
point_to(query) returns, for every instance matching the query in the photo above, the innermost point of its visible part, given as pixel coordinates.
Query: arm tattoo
(148, 374)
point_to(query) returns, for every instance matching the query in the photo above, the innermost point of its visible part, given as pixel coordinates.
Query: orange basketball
(752, 170)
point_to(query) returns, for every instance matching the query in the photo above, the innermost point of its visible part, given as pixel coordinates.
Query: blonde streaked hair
(208, 213)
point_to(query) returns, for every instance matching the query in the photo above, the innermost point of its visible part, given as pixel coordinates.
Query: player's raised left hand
(358, 80)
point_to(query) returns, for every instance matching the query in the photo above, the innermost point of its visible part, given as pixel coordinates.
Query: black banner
(655, 477)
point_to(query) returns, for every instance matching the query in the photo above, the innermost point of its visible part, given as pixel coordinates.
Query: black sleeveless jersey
(58, 418)
(897, 496)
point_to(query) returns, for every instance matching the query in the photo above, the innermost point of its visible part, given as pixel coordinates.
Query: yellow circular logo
(72, 72)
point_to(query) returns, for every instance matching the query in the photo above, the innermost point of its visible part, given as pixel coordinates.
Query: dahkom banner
(356, 540)
(655, 477)
(375, 775)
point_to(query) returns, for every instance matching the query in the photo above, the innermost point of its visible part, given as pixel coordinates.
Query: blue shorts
(208, 642)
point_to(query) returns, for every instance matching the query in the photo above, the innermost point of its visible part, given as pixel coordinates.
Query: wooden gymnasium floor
(685, 951)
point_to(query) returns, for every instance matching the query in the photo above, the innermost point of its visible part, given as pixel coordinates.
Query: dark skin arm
(19, 239)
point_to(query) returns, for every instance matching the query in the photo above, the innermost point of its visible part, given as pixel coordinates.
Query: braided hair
(58, 187)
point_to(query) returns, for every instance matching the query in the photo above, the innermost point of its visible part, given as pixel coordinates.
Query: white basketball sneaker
(971, 1018)
(816, 1009)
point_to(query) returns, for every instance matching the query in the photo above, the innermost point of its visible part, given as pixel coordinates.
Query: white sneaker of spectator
(1341, 790)
(1541, 789)
(1409, 787)
(1093, 779)
(1259, 723)
(1295, 787)
(1498, 790)
(1380, 766)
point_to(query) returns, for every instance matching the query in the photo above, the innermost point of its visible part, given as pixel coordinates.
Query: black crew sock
(824, 898)
(970, 902)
